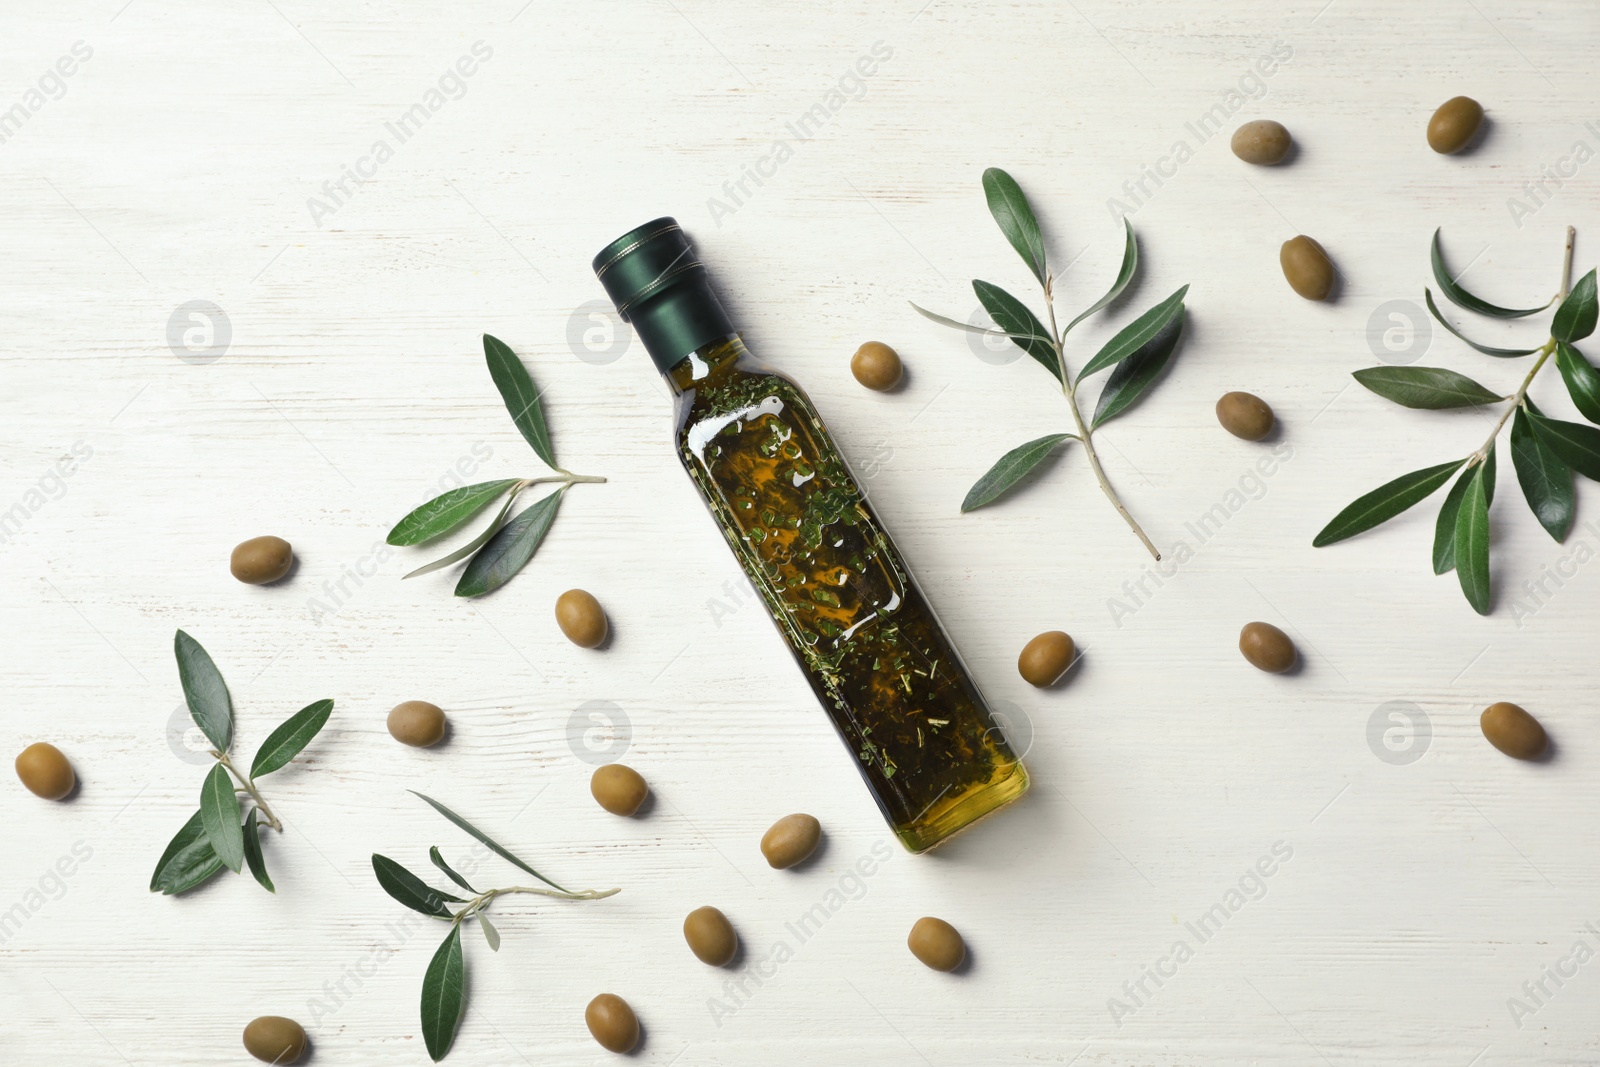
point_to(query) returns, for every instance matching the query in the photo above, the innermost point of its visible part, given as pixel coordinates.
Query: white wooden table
(333, 379)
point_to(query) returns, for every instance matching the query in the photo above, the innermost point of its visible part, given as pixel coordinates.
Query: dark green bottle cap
(653, 277)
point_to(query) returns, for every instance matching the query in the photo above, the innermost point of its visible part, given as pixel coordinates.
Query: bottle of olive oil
(922, 735)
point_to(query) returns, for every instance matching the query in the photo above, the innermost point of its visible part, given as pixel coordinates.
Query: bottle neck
(684, 316)
(709, 361)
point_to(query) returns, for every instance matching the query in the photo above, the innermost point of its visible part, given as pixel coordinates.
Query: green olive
(877, 366)
(1266, 647)
(711, 936)
(275, 1039)
(1513, 731)
(45, 771)
(1245, 415)
(1046, 658)
(937, 943)
(417, 723)
(612, 1023)
(619, 789)
(791, 840)
(1454, 125)
(581, 618)
(261, 560)
(1307, 267)
(1263, 142)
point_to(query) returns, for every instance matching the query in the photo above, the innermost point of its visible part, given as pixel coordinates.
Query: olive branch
(1545, 452)
(1136, 356)
(505, 547)
(220, 834)
(444, 982)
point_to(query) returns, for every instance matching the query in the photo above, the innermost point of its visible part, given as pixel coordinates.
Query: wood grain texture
(176, 164)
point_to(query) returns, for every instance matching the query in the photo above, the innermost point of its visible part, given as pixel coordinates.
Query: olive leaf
(187, 861)
(1461, 298)
(1015, 218)
(1444, 531)
(1011, 468)
(1130, 264)
(1546, 481)
(286, 742)
(1137, 371)
(1488, 350)
(1425, 387)
(987, 331)
(1583, 381)
(219, 813)
(442, 994)
(1472, 544)
(490, 934)
(1575, 318)
(510, 549)
(1577, 444)
(205, 692)
(410, 890)
(1385, 502)
(446, 512)
(252, 851)
(1137, 334)
(438, 861)
(521, 397)
(1019, 324)
(494, 846)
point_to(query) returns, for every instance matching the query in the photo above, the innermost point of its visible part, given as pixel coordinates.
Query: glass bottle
(921, 733)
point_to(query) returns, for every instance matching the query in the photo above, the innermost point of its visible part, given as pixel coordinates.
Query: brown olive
(1307, 267)
(877, 366)
(1046, 658)
(619, 789)
(612, 1023)
(45, 771)
(1263, 142)
(417, 723)
(1454, 125)
(791, 840)
(711, 936)
(581, 618)
(1245, 415)
(275, 1039)
(1513, 731)
(937, 943)
(261, 560)
(1266, 647)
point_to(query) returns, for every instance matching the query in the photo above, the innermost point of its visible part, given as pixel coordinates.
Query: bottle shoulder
(744, 386)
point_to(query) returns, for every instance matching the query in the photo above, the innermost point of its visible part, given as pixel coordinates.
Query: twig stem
(566, 477)
(484, 899)
(250, 788)
(1085, 434)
